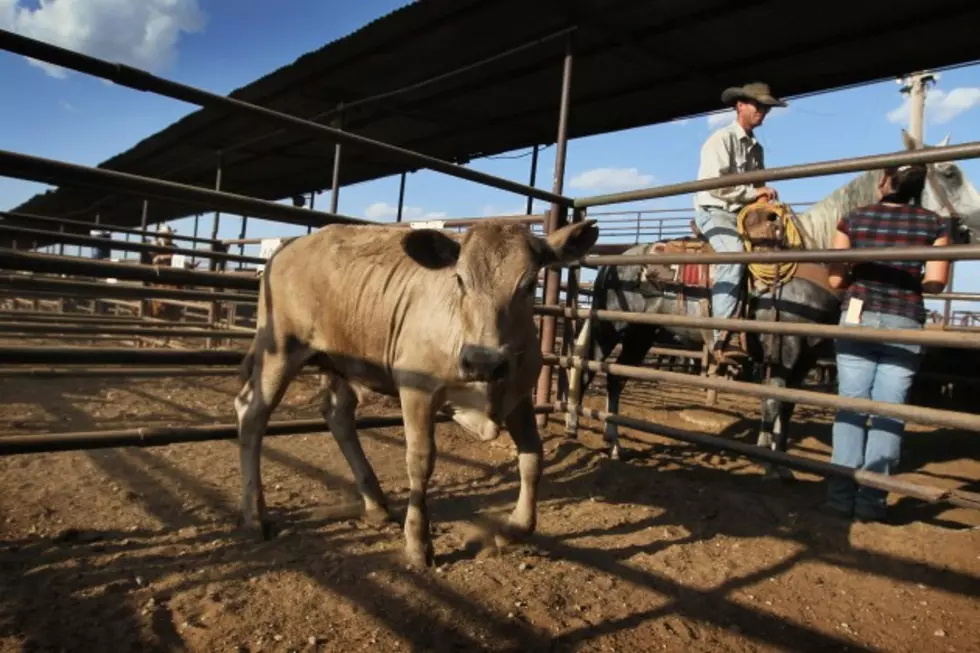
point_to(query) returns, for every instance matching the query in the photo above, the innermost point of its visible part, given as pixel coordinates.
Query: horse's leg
(781, 354)
(577, 381)
(637, 340)
(805, 360)
(601, 339)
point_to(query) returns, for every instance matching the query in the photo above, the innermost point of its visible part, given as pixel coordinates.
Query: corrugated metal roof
(636, 63)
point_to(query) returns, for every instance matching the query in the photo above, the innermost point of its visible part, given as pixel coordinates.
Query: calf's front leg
(523, 430)
(420, 456)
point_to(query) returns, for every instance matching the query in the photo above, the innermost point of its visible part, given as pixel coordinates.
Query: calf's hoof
(256, 527)
(377, 516)
(516, 530)
(420, 556)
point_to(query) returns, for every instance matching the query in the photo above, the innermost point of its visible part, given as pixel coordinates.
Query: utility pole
(916, 86)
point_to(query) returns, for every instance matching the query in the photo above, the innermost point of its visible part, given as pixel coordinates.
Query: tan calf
(439, 321)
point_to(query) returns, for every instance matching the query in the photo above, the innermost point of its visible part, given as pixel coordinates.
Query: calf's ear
(569, 243)
(431, 248)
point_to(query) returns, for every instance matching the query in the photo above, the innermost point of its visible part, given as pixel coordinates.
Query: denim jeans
(719, 227)
(881, 372)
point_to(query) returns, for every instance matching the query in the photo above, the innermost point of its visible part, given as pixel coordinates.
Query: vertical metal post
(309, 228)
(948, 309)
(197, 220)
(533, 179)
(401, 198)
(215, 307)
(335, 184)
(144, 218)
(241, 236)
(556, 219)
(568, 334)
(217, 213)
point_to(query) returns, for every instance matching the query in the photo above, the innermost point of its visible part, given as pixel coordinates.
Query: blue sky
(220, 46)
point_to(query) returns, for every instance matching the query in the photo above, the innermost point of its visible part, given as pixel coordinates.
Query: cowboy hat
(756, 92)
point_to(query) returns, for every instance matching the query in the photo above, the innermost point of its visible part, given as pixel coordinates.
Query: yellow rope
(767, 272)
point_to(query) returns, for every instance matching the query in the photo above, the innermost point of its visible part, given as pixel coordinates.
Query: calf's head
(491, 273)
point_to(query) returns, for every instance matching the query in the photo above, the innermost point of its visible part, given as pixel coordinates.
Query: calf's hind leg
(339, 408)
(269, 377)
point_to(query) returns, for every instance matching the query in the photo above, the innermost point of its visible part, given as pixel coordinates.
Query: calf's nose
(483, 363)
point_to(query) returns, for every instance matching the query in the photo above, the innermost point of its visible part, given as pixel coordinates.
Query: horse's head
(949, 188)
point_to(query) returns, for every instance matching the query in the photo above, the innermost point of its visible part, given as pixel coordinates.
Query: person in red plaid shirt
(880, 295)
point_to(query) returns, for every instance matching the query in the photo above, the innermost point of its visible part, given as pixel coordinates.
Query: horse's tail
(599, 287)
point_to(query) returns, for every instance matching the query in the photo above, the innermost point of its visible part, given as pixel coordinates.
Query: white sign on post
(267, 248)
(428, 224)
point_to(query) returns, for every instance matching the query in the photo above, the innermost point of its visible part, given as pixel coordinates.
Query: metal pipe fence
(49, 171)
(944, 338)
(30, 218)
(918, 414)
(931, 494)
(159, 436)
(12, 259)
(171, 332)
(124, 246)
(855, 164)
(926, 337)
(96, 290)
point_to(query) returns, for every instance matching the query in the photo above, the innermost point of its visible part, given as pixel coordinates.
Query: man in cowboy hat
(731, 150)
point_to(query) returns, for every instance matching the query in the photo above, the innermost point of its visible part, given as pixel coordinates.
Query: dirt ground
(675, 549)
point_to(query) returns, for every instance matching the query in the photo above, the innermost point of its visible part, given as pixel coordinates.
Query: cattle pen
(687, 584)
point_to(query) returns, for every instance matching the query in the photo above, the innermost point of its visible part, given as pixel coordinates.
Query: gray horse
(806, 298)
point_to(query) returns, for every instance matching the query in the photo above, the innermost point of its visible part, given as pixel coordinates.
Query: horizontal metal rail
(931, 494)
(121, 245)
(927, 253)
(448, 224)
(96, 290)
(172, 332)
(128, 372)
(918, 414)
(926, 337)
(159, 436)
(13, 259)
(49, 171)
(856, 164)
(688, 211)
(116, 356)
(954, 296)
(141, 80)
(12, 317)
(30, 218)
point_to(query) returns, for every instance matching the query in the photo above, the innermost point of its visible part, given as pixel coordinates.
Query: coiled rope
(768, 273)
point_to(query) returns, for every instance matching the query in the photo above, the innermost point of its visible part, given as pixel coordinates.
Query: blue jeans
(719, 227)
(881, 372)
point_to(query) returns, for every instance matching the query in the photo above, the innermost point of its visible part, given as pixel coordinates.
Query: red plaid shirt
(893, 287)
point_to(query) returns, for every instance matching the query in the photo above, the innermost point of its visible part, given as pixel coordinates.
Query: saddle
(675, 277)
